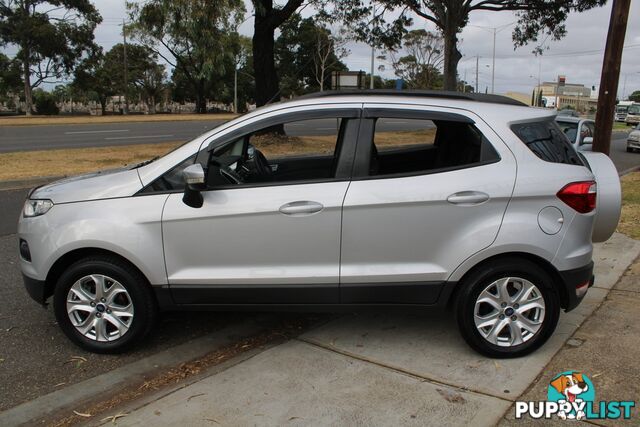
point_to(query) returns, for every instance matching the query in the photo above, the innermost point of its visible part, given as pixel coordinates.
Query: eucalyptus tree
(51, 36)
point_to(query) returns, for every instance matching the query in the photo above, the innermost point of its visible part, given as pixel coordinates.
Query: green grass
(630, 219)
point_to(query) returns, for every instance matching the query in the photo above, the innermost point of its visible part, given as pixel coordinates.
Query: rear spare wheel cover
(609, 199)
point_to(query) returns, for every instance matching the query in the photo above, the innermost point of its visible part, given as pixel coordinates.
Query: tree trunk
(103, 106)
(267, 82)
(152, 104)
(451, 58)
(201, 100)
(28, 99)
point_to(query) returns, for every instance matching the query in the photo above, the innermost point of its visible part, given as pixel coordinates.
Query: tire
(630, 150)
(536, 324)
(123, 318)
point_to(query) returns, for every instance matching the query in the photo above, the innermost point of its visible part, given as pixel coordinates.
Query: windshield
(570, 129)
(622, 108)
(634, 109)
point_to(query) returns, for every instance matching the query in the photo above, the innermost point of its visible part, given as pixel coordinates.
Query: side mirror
(194, 179)
(587, 140)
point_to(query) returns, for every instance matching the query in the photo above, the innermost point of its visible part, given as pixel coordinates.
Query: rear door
(430, 188)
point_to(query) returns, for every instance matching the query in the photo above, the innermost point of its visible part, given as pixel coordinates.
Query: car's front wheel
(104, 305)
(507, 308)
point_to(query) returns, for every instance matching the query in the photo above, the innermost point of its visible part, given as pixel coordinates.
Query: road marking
(96, 131)
(138, 137)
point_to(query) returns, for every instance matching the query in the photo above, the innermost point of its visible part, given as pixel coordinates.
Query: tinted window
(547, 141)
(296, 151)
(403, 146)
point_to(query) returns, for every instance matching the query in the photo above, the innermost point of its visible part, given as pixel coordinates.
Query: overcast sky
(578, 55)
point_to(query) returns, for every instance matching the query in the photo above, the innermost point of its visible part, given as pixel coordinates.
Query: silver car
(415, 200)
(633, 140)
(579, 132)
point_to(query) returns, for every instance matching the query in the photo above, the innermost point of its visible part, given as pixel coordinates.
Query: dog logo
(574, 389)
(571, 396)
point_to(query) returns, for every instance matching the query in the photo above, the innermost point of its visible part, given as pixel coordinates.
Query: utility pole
(493, 67)
(126, 71)
(477, 65)
(610, 75)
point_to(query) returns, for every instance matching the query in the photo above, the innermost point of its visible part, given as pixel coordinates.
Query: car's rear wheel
(507, 308)
(104, 305)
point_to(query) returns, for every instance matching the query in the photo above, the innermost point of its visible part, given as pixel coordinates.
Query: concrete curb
(630, 170)
(77, 394)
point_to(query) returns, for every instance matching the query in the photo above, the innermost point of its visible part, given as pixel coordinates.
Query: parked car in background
(579, 131)
(468, 202)
(568, 113)
(633, 140)
(633, 115)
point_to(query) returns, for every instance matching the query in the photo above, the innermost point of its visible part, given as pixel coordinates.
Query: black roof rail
(478, 97)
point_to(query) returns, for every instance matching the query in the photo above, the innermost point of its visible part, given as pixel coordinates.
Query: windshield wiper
(145, 163)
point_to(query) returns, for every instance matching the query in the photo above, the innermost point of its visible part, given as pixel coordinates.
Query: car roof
(442, 94)
(570, 119)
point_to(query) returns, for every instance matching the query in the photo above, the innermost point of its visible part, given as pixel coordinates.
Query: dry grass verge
(81, 120)
(74, 161)
(630, 220)
(34, 164)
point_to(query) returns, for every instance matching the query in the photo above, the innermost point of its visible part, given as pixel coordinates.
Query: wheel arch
(538, 260)
(66, 260)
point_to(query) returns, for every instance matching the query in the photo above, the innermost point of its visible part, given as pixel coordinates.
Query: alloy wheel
(509, 312)
(100, 308)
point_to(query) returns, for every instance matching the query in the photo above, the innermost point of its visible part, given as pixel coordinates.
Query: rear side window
(410, 146)
(547, 142)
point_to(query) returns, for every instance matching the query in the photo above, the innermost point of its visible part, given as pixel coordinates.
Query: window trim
(346, 156)
(367, 134)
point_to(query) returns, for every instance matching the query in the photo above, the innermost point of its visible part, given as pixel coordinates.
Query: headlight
(36, 208)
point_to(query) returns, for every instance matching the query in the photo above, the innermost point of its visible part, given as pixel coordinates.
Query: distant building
(577, 96)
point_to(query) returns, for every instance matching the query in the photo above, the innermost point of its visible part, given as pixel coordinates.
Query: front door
(273, 237)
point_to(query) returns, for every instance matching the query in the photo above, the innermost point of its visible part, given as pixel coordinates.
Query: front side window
(409, 146)
(547, 141)
(634, 110)
(296, 151)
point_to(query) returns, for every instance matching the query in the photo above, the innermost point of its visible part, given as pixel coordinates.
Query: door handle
(301, 208)
(468, 198)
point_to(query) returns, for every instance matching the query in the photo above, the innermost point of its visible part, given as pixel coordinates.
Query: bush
(45, 104)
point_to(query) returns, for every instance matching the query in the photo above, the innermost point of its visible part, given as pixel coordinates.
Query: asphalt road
(619, 155)
(29, 138)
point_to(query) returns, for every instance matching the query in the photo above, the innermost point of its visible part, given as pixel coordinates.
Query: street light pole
(235, 90)
(477, 71)
(493, 66)
(373, 47)
(126, 75)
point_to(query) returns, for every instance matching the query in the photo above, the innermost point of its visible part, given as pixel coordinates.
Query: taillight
(581, 196)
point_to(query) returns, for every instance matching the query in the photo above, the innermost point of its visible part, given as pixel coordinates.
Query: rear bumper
(37, 289)
(576, 282)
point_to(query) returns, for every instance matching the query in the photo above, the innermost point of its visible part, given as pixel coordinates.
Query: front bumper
(39, 290)
(632, 143)
(576, 282)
